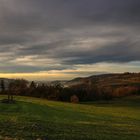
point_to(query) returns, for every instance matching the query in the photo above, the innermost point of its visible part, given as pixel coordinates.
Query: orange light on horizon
(36, 76)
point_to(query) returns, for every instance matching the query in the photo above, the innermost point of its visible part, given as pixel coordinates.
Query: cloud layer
(48, 35)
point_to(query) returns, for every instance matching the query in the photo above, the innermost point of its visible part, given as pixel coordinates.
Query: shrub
(74, 99)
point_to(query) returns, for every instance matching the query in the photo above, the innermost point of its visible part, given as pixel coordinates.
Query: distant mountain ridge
(115, 79)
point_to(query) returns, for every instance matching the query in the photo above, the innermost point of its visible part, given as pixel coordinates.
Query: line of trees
(85, 92)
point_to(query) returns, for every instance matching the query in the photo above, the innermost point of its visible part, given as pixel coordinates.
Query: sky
(63, 39)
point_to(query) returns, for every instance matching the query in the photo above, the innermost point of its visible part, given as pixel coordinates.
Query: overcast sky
(63, 39)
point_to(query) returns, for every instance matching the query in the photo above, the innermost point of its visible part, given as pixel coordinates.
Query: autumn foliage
(98, 88)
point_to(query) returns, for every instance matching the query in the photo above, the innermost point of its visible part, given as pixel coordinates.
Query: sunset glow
(44, 39)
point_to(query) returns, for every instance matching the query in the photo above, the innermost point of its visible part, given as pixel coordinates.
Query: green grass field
(32, 118)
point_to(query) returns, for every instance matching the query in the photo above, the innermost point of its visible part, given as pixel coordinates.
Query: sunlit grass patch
(30, 118)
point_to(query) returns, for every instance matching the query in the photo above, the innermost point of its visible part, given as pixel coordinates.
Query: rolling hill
(125, 79)
(32, 118)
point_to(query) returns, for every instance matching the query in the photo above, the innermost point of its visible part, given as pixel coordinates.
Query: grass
(31, 118)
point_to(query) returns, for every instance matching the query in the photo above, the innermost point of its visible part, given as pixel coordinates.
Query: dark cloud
(69, 32)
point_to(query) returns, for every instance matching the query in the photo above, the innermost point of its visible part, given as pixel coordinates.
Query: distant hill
(125, 79)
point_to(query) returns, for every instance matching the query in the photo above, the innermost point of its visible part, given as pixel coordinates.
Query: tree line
(57, 92)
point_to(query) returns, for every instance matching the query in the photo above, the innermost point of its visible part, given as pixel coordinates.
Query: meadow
(31, 118)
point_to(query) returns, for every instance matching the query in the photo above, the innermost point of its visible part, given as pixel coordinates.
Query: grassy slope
(30, 118)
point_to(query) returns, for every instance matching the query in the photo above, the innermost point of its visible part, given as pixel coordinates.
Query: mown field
(31, 118)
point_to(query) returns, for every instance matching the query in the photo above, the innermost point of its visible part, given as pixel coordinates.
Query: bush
(74, 99)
